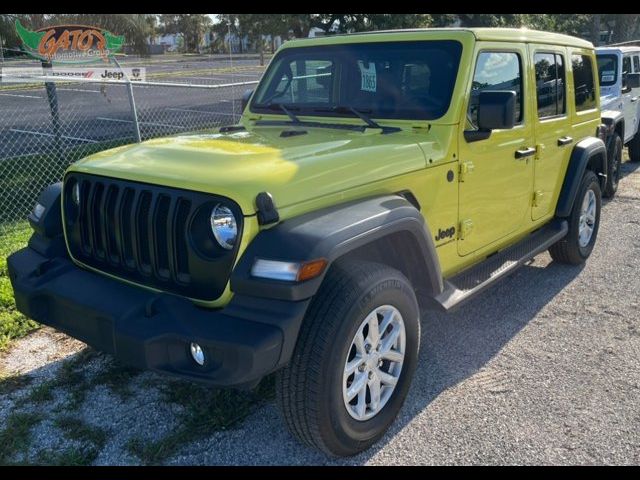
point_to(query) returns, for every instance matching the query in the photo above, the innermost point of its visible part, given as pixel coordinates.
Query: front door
(496, 173)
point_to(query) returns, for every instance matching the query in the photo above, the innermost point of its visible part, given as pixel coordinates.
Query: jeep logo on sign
(69, 43)
(448, 233)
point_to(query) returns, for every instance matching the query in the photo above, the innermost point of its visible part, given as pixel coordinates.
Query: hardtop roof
(522, 35)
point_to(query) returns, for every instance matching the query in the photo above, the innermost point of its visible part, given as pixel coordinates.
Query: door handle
(526, 152)
(634, 99)
(562, 141)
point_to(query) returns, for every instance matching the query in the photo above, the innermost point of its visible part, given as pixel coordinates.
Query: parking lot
(98, 112)
(542, 369)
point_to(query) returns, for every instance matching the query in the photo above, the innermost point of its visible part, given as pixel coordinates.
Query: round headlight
(75, 193)
(224, 226)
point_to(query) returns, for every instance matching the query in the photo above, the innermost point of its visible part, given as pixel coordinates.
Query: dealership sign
(104, 74)
(69, 43)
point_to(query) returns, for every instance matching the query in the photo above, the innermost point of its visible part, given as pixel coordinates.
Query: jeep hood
(239, 165)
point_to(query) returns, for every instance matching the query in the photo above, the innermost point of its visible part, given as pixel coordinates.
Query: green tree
(191, 25)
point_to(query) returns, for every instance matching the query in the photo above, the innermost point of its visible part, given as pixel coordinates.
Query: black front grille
(152, 235)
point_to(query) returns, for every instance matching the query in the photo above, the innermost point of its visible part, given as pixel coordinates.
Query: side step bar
(472, 281)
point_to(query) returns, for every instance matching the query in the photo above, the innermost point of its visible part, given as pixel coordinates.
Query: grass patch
(12, 323)
(76, 429)
(16, 435)
(74, 456)
(206, 410)
(71, 378)
(117, 377)
(13, 383)
(42, 393)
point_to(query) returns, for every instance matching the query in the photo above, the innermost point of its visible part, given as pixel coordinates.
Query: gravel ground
(542, 369)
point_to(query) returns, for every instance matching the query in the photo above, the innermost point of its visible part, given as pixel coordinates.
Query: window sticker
(368, 78)
(607, 78)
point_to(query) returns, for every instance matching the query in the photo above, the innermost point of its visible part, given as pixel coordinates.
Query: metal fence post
(132, 103)
(134, 111)
(52, 97)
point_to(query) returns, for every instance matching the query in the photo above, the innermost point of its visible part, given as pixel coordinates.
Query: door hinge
(466, 227)
(465, 169)
(537, 198)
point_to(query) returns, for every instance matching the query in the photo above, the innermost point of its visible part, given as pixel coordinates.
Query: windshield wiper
(359, 113)
(280, 106)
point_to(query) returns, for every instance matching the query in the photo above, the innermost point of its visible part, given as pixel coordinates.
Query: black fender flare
(581, 157)
(614, 121)
(332, 233)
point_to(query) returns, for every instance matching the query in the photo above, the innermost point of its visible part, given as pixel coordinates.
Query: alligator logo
(69, 43)
(448, 233)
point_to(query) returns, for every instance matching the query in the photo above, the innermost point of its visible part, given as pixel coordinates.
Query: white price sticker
(368, 77)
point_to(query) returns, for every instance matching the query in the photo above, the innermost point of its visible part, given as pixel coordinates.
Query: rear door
(629, 100)
(552, 126)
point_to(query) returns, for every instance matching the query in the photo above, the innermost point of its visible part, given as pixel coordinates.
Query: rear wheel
(613, 173)
(584, 221)
(634, 148)
(353, 363)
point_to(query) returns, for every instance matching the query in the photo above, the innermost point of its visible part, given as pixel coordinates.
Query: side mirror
(496, 111)
(633, 80)
(246, 96)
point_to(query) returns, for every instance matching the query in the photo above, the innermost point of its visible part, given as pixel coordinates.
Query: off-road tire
(613, 166)
(634, 148)
(568, 250)
(309, 388)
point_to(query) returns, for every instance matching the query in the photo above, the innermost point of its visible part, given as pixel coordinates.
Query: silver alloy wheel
(374, 363)
(587, 218)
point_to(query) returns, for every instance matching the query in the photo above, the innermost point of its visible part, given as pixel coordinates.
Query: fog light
(197, 354)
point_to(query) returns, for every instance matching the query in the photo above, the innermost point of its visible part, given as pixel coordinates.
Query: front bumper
(248, 339)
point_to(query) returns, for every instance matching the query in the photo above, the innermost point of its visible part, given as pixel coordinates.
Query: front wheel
(584, 221)
(353, 363)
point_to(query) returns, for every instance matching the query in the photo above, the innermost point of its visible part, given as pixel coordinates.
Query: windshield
(607, 69)
(402, 80)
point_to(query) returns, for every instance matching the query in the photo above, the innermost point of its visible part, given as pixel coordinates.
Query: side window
(584, 86)
(636, 64)
(626, 68)
(550, 84)
(496, 71)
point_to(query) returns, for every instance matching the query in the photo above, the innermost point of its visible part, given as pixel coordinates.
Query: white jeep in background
(619, 73)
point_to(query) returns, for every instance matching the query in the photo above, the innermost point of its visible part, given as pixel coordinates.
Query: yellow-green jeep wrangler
(372, 178)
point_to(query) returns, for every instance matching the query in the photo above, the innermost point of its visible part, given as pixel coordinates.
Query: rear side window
(584, 86)
(496, 71)
(636, 64)
(550, 84)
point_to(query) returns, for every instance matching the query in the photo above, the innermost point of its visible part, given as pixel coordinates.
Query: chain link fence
(45, 126)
